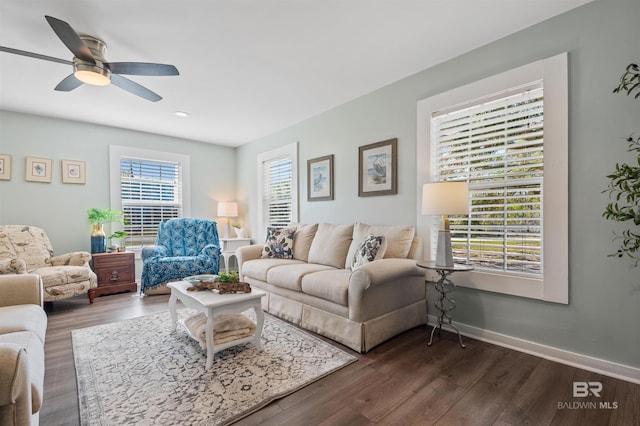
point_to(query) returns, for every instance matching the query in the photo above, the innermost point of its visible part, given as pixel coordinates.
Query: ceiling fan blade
(34, 55)
(135, 88)
(68, 84)
(71, 39)
(141, 68)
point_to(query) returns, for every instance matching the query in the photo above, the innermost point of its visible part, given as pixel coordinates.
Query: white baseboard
(585, 362)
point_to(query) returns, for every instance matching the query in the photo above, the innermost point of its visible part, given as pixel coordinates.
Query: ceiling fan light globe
(91, 77)
(95, 75)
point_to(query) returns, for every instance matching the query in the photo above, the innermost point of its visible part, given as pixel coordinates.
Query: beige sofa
(27, 249)
(318, 290)
(23, 324)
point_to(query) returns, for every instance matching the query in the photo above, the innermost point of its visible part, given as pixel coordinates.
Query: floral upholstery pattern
(184, 247)
(279, 243)
(370, 249)
(27, 249)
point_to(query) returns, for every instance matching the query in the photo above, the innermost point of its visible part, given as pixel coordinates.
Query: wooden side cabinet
(116, 273)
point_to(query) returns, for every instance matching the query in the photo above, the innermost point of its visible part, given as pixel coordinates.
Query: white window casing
(540, 195)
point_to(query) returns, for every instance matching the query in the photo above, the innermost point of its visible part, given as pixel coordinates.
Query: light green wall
(60, 209)
(602, 37)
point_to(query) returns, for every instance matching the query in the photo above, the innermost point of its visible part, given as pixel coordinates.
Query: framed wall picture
(73, 171)
(377, 168)
(320, 178)
(38, 170)
(5, 167)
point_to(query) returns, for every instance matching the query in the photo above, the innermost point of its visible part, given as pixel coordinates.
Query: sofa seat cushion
(23, 318)
(330, 285)
(58, 275)
(258, 268)
(290, 276)
(35, 356)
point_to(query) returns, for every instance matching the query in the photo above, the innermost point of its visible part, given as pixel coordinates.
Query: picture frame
(73, 171)
(377, 168)
(38, 169)
(320, 178)
(5, 167)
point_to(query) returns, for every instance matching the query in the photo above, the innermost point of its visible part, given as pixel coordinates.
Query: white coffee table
(212, 304)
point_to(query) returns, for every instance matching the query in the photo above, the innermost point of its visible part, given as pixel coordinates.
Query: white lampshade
(227, 209)
(445, 198)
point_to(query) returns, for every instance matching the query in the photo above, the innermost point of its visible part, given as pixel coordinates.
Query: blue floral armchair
(184, 247)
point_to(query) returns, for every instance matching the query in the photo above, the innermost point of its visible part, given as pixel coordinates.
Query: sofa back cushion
(331, 244)
(398, 238)
(302, 240)
(29, 243)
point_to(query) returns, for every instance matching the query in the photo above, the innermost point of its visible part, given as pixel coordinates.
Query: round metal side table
(444, 286)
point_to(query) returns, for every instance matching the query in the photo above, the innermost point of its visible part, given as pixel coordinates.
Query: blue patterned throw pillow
(279, 243)
(370, 249)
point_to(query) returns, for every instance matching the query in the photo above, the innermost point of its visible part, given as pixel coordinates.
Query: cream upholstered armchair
(27, 249)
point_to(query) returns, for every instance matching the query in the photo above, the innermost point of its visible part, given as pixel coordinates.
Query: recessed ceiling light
(181, 114)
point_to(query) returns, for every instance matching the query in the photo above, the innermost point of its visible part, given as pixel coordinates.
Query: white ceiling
(248, 68)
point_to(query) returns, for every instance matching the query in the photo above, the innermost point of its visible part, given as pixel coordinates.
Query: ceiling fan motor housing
(96, 74)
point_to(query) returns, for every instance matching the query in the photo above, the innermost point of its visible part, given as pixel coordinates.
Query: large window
(150, 188)
(277, 187)
(497, 147)
(507, 137)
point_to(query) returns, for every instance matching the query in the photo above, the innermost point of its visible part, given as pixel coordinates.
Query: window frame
(291, 151)
(553, 286)
(117, 152)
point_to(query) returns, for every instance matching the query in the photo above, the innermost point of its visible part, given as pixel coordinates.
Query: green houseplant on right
(624, 182)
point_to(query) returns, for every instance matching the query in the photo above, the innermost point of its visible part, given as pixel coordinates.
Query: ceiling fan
(90, 66)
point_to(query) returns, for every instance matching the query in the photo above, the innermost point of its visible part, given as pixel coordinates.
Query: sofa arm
(383, 271)
(15, 385)
(20, 289)
(246, 253)
(13, 266)
(76, 258)
(154, 251)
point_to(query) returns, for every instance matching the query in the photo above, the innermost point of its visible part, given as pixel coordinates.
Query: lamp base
(444, 255)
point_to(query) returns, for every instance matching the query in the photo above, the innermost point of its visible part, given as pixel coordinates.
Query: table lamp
(443, 198)
(227, 209)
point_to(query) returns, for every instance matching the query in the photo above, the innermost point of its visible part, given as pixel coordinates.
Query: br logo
(584, 389)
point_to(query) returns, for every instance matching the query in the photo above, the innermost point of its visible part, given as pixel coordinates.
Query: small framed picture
(73, 171)
(5, 167)
(38, 170)
(320, 178)
(377, 168)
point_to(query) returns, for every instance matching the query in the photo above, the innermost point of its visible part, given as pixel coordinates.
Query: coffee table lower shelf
(212, 304)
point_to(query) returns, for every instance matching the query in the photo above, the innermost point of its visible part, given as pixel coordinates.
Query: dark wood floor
(401, 382)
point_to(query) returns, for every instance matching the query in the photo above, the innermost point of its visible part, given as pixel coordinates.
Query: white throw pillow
(371, 248)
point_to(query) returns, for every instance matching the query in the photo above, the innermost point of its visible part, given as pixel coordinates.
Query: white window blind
(277, 194)
(277, 187)
(497, 146)
(150, 192)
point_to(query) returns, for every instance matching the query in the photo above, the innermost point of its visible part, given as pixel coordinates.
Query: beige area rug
(138, 372)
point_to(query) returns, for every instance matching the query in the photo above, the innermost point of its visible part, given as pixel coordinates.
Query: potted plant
(624, 182)
(117, 235)
(97, 218)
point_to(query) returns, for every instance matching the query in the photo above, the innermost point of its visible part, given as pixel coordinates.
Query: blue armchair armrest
(154, 251)
(211, 250)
